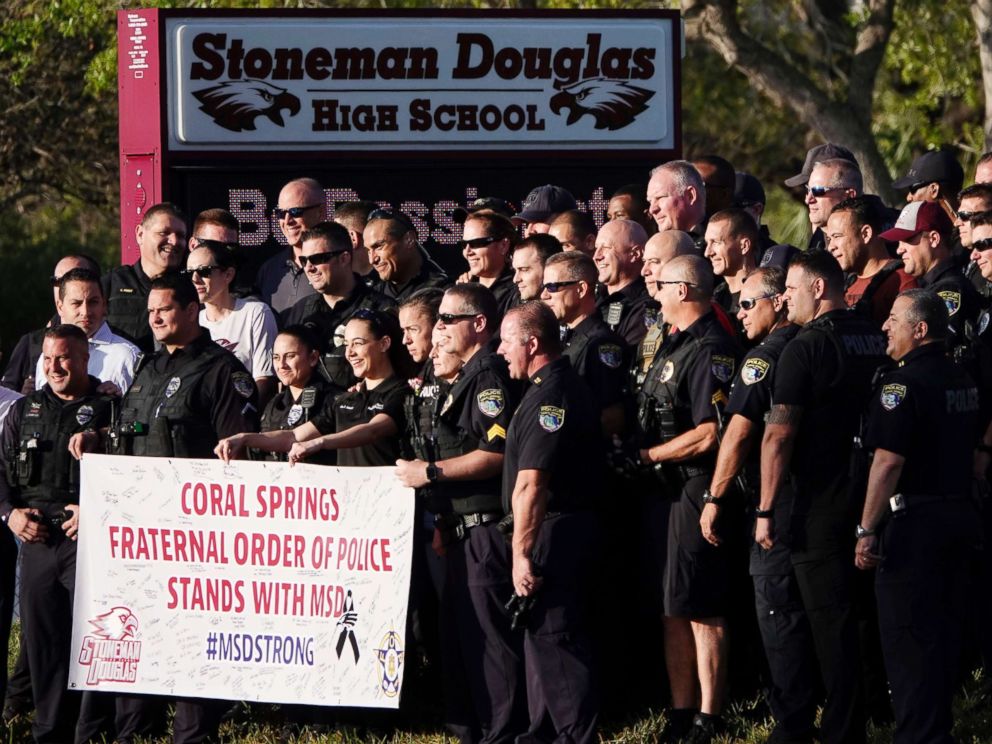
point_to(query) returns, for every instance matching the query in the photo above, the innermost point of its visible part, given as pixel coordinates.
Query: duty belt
(454, 527)
(901, 502)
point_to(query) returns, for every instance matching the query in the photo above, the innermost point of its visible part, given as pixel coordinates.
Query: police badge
(84, 415)
(754, 370)
(491, 402)
(983, 322)
(551, 418)
(295, 414)
(173, 387)
(892, 396)
(667, 372)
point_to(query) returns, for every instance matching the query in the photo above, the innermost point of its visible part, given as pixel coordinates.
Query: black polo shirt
(597, 355)
(624, 311)
(359, 407)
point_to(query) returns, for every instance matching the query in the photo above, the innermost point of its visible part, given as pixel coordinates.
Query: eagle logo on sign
(491, 402)
(613, 104)
(754, 370)
(892, 396)
(722, 367)
(236, 104)
(952, 300)
(551, 418)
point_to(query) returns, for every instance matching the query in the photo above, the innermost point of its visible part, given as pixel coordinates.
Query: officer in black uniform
(459, 460)
(677, 440)
(185, 398)
(326, 259)
(821, 388)
(596, 353)
(487, 243)
(624, 297)
(39, 501)
(401, 263)
(161, 239)
(552, 476)
(919, 527)
(781, 619)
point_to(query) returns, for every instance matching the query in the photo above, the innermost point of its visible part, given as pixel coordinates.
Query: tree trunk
(981, 12)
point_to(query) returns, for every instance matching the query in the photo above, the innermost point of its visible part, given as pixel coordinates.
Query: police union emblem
(754, 370)
(243, 384)
(84, 415)
(173, 387)
(491, 402)
(952, 300)
(892, 396)
(390, 656)
(667, 372)
(551, 418)
(610, 355)
(723, 367)
(295, 413)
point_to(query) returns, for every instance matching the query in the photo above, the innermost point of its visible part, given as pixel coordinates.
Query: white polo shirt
(112, 359)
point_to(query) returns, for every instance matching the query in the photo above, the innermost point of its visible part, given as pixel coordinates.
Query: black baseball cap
(779, 255)
(816, 155)
(545, 201)
(747, 190)
(936, 165)
(495, 204)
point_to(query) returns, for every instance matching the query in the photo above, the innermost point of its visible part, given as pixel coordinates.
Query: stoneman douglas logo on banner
(439, 83)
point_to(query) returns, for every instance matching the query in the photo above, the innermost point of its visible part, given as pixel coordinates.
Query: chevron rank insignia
(495, 432)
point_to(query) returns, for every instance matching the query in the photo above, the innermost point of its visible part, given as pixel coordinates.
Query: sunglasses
(967, 216)
(553, 287)
(319, 259)
(294, 212)
(392, 214)
(449, 318)
(751, 303)
(217, 245)
(203, 272)
(475, 243)
(820, 191)
(982, 245)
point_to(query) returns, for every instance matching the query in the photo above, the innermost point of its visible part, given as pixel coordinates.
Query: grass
(747, 722)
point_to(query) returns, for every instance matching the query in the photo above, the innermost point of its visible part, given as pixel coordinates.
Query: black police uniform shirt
(24, 358)
(624, 310)
(36, 469)
(556, 429)
(692, 371)
(962, 299)
(360, 407)
(286, 412)
(827, 370)
(187, 401)
(474, 415)
(430, 275)
(597, 355)
(926, 409)
(126, 289)
(505, 291)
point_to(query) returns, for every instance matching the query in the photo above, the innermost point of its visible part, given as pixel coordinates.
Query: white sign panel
(422, 83)
(248, 581)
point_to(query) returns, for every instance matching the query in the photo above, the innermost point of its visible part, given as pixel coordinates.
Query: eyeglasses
(674, 281)
(554, 287)
(294, 212)
(820, 191)
(449, 318)
(982, 245)
(318, 259)
(751, 303)
(392, 214)
(203, 272)
(475, 243)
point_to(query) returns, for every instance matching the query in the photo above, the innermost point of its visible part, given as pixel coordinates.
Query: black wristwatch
(432, 472)
(764, 513)
(862, 532)
(709, 498)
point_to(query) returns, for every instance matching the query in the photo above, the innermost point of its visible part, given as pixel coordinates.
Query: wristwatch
(709, 498)
(862, 532)
(432, 472)
(764, 513)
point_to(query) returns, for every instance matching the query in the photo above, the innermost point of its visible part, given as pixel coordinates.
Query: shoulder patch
(611, 355)
(551, 418)
(243, 384)
(667, 372)
(722, 367)
(754, 370)
(892, 395)
(84, 414)
(491, 402)
(951, 299)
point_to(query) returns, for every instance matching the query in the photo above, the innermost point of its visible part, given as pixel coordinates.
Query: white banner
(405, 83)
(248, 581)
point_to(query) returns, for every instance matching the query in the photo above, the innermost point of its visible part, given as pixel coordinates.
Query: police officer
(619, 257)
(677, 438)
(161, 240)
(39, 502)
(403, 265)
(551, 477)
(919, 527)
(326, 259)
(781, 620)
(185, 398)
(458, 464)
(821, 387)
(596, 352)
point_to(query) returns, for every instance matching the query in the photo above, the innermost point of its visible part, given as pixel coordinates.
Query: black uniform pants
(48, 580)
(826, 585)
(921, 589)
(562, 691)
(788, 643)
(8, 573)
(482, 657)
(196, 720)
